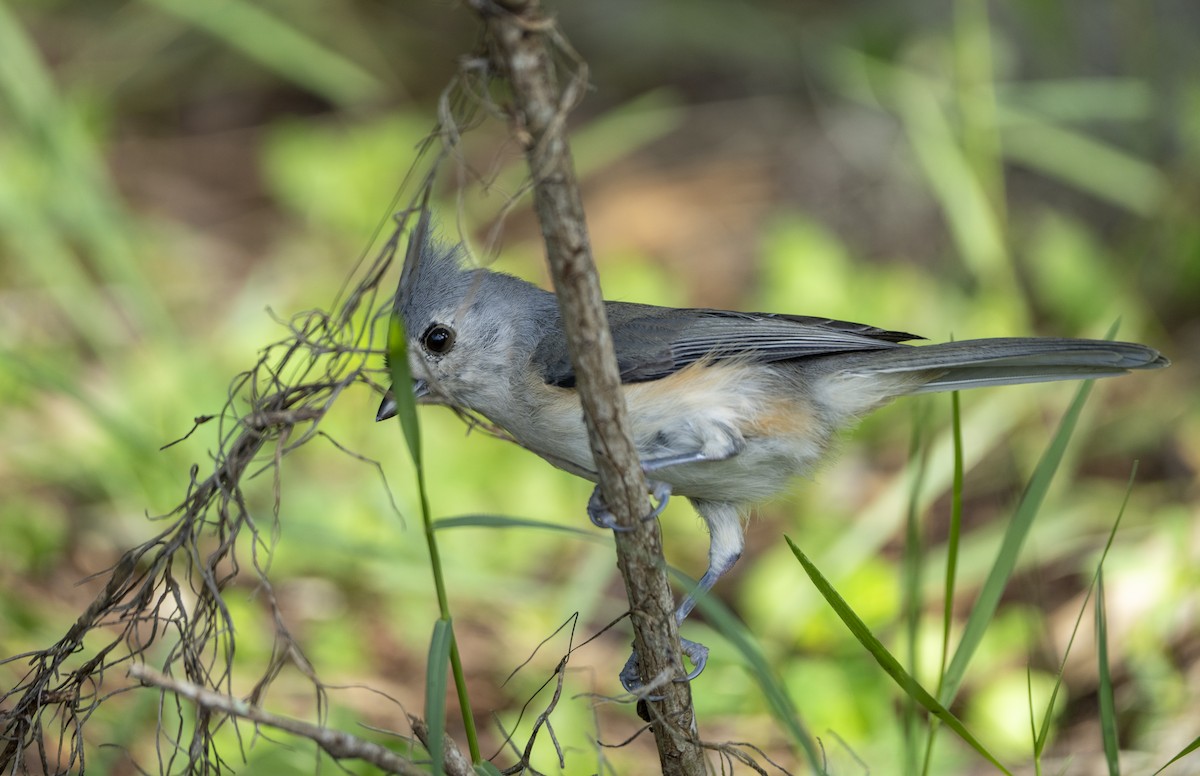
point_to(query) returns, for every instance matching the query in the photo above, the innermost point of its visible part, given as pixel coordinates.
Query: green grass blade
(970, 216)
(504, 521)
(59, 209)
(911, 574)
(406, 413)
(773, 691)
(1014, 537)
(953, 542)
(406, 404)
(1184, 752)
(606, 139)
(1044, 733)
(435, 690)
(1089, 165)
(279, 46)
(886, 660)
(975, 99)
(954, 538)
(972, 220)
(1033, 730)
(1108, 714)
(1079, 100)
(485, 768)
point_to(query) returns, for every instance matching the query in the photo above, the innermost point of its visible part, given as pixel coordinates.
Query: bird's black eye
(438, 339)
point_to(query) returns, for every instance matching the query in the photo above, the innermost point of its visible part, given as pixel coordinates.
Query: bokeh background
(175, 178)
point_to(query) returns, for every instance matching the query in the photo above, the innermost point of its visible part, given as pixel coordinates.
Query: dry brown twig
(172, 584)
(339, 745)
(524, 44)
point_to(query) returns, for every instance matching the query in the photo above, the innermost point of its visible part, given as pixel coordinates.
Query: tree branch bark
(520, 38)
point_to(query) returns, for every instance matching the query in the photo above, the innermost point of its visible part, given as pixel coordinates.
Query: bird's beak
(387, 408)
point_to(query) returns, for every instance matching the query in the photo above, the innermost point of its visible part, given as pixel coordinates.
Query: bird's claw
(601, 517)
(662, 494)
(631, 678)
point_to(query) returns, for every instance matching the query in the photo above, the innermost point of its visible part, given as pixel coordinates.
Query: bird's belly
(762, 469)
(755, 437)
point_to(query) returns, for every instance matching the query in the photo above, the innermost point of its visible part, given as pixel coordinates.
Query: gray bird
(725, 407)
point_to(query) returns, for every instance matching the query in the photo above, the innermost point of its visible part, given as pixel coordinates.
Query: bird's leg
(725, 547)
(724, 526)
(726, 540)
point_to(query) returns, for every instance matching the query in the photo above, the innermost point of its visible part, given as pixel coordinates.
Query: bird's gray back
(655, 342)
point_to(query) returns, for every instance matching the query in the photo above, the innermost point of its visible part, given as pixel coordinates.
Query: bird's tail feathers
(953, 366)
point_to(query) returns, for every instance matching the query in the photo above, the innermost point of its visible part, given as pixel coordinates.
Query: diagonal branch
(521, 40)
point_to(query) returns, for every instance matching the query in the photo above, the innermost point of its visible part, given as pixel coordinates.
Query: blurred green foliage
(174, 174)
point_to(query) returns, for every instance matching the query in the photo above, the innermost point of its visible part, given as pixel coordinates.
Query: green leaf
(911, 573)
(885, 659)
(280, 46)
(1006, 559)
(504, 521)
(953, 541)
(1039, 744)
(1108, 714)
(954, 538)
(406, 404)
(1090, 165)
(435, 690)
(1182, 754)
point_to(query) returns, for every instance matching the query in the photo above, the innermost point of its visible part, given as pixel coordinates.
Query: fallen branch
(336, 743)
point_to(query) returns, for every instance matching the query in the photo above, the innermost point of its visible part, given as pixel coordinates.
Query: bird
(725, 407)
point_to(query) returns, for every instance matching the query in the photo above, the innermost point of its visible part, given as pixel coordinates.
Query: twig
(337, 744)
(520, 39)
(454, 762)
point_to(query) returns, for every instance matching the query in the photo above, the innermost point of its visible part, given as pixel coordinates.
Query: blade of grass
(435, 690)
(1182, 754)
(1090, 165)
(406, 412)
(281, 47)
(975, 99)
(406, 405)
(973, 222)
(1044, 733)
(955, 534)
(504, 521)
(58, 202)
(1108, 715)
(953, 540)
(602, 141)
(886, 660)
(983, 428)
(911, 572)
(1033, 732)
(1006, 559)
(1079, 100)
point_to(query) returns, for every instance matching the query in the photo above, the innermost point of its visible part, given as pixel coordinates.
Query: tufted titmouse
(725, 407)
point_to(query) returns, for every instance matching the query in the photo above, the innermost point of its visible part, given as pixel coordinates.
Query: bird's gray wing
(654, 342)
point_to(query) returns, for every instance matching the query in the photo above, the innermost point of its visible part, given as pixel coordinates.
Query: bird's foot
(599, 514)
(631, 678)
